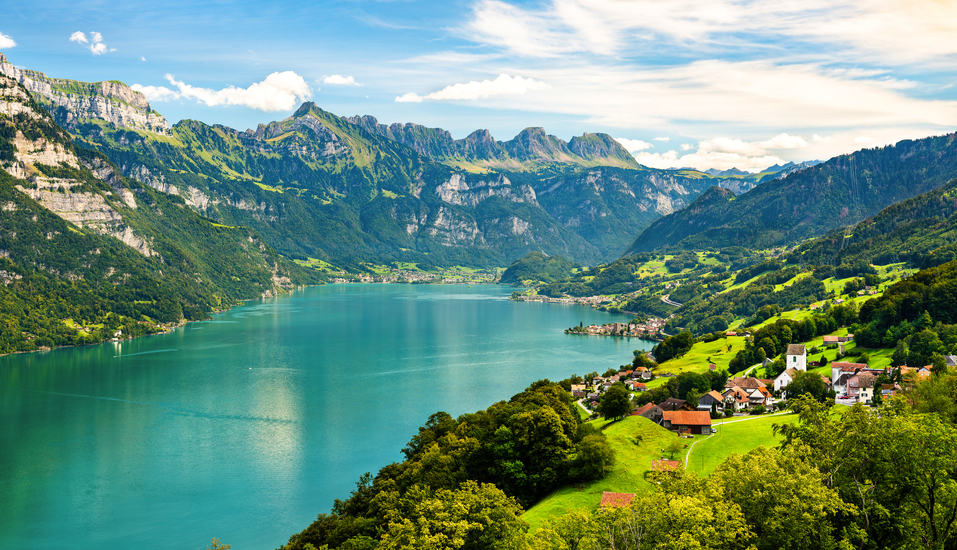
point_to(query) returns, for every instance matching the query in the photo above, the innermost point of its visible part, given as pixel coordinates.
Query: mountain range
(808, 203)
(348, 190)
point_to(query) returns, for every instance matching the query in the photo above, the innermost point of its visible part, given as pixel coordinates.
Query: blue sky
(702, 83)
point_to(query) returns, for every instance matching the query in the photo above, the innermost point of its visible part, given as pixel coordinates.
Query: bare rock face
(112, 101)
(64, 197)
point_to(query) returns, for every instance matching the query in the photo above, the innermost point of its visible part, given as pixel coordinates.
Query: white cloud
(278, 92)
(665, 139)
(703, 160)
(96, 45)
(503, 85)
(6, 41)
(724, 153)
(819, 139)
(900, 30)
(142, 59)
(632, 145)
(340, 80)
(409, 98)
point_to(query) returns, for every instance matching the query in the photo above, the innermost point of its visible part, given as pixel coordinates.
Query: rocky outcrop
(73, 102)
(530, 148)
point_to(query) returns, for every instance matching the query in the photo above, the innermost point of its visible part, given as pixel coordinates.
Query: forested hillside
(836, 193)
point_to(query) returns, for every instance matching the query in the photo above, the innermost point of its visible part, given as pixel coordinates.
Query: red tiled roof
(688, 418)
(616, 500)
(644, 409)
(665, 465)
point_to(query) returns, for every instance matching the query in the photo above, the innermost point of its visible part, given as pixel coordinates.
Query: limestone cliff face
(457, 190)
(73, 102)
(67, 197)
(530, 149)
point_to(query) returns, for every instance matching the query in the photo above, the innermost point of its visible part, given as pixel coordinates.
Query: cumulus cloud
(280, 91)
(819, 139)
(724, 153)
(340, 80)
(632, 145)
(665, 139)
(703, 160)
(503, 85)
(94, 43)
(6, 41)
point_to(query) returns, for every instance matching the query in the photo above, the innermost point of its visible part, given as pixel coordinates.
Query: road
(667, 300)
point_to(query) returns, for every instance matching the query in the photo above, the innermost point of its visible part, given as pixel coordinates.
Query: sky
(680, 83)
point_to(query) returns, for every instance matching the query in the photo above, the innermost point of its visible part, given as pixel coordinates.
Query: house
(730, 333)
(761, 396)
(866, 388)
(711, 398)
(736, 398)
(838, 367)
(784, 379)
(951, 360)
(578, 387)
(616, 500)
(578, 394)
(712, 366)
(691, 422)
(650, 411)
(829, 339)
(640, 386)
(745, 382)
(674, 404)
(796, 357)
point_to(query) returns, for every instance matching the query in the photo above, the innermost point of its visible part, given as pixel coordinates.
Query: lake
(247, 426)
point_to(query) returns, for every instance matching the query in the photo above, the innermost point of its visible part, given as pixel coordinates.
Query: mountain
(921, 231)
(537, 267)
(777, 172)
(531, 150)
(350, 191)
(83, 245)
(808, 203)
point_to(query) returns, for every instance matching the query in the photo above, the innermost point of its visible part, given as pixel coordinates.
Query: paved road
(667, 299)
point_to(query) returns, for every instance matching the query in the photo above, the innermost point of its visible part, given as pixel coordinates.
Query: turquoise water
(245, 427)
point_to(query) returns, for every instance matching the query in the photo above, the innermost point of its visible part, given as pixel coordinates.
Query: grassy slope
(632, 464)
(736, 436)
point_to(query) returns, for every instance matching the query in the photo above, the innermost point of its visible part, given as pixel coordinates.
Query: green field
(632, 464)
(736, 436)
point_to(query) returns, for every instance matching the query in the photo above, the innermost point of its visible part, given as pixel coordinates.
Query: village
(648, 330)
(742, 396)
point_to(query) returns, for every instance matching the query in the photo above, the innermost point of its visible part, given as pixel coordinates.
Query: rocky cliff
(532, 149)
(72, 102)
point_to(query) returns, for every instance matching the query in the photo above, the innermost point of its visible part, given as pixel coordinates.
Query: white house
(796, 357)
(784, 378)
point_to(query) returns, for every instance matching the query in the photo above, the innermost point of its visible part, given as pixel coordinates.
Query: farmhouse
(691, 422)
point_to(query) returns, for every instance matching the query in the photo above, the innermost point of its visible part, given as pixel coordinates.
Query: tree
(807, 383)
(473, 517)
(674, 446)
(899, 358)
(594, 458)
(782, 498)
(616, 402)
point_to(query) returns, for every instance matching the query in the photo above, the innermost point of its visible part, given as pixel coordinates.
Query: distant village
(649, 329)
